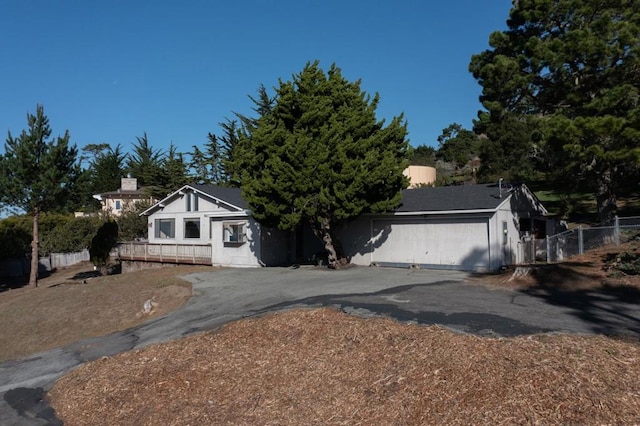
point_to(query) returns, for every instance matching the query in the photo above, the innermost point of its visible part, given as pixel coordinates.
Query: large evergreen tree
(227, 145)
(174, 171)
(107, 167)
(457, 145)
(37, 174)
(568, 71)
(206, 164)
(145, 163)
(319, 155)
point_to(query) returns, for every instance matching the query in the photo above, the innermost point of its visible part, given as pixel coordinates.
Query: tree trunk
(335, 256)
(606, 198)
(35, 243)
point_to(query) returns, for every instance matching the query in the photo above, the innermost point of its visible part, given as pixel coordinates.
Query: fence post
(580, 241)
(533, 249)
(548, 249)
(616, 230)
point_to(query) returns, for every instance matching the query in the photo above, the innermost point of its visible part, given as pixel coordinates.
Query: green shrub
(15, 236)
(132, 226)
(59, 233)
(70, 234)
(102, 243)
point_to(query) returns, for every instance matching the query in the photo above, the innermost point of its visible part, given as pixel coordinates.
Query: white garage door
(462, 243)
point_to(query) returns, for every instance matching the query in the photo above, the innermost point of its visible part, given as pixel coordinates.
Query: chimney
(129, 184)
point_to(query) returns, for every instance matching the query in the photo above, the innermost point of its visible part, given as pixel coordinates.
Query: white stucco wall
(175, 208)
(245, 254)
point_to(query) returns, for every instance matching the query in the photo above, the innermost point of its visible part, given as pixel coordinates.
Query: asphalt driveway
(421, 296)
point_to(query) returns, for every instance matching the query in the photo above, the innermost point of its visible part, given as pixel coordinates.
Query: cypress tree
(320, 156)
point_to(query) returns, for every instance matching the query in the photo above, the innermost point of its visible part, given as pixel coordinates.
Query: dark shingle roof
(446, 198)
(443, 198)
(230, 195)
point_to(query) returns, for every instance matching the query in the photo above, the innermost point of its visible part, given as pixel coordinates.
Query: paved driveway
(423, 296)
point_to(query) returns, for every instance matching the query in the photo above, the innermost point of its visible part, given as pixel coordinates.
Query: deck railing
(197, 254)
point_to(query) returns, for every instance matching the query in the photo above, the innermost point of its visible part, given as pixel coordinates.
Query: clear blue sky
(110, 70)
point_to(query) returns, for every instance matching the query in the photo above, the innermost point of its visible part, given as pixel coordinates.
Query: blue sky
(110, 70)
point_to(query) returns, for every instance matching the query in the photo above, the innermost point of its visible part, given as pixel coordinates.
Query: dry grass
(63, 309)
(324, 367)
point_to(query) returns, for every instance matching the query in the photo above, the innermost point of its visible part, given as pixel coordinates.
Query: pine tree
(145, 163)
(107, 168)
(37, 175)
(206, 165)
(320, 156)
(567, 72)
(174, 169)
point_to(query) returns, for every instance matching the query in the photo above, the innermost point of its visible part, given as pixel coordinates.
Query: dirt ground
(597, 269)
(321, 366)
(73, 303)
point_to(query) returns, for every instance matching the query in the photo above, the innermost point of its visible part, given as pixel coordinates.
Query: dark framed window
(192, 228)
(165, 228)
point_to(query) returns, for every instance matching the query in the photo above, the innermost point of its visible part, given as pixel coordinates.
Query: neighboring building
(115, 202)
(420, 175)
(470, 227)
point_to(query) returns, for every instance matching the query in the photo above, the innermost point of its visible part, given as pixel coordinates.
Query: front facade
(471, 227)
(203, 215)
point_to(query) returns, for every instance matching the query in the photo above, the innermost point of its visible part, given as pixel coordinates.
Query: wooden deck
(191, 254)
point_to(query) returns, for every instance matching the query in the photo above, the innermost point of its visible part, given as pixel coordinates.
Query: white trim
(220, 200)
(178, 192)
(244, 213)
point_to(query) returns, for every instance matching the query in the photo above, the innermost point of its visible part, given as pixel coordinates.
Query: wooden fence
(196, 254)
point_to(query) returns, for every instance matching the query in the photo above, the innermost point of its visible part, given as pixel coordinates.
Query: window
(165, 228)
(505, 233)
(191, 201)
(234, 233)
(192, 228)
(118, 205)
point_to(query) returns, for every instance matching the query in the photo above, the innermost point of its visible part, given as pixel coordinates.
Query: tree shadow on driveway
(384, 303)
(608, 309)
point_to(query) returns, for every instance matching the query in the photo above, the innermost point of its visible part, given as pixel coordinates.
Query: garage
(466, 227)
(462, 243)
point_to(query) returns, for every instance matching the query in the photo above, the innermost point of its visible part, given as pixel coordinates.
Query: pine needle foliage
(318, 155)
(37, 174)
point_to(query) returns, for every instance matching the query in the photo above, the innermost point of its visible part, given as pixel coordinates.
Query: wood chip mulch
(321, 366)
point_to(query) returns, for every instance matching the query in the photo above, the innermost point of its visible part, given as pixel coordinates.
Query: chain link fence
(556, 248)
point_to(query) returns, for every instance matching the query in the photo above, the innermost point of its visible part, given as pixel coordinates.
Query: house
(470, 227)
(115, 202)
(212, 222)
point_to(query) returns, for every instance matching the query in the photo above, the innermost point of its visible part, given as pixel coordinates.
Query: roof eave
(440, 212)
(180, 191)
(216, 198)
